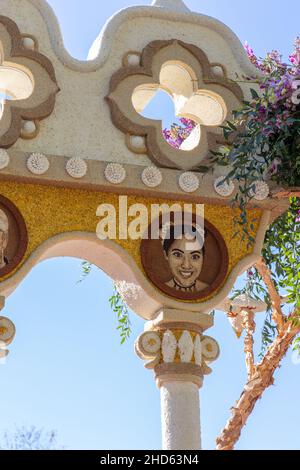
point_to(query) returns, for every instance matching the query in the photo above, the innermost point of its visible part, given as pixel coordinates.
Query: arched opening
(182, 107)
(15, 84)
(105, 254)
(66, 369)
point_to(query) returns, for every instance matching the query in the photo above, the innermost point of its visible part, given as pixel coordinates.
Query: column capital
(176, 349)
(7, 331)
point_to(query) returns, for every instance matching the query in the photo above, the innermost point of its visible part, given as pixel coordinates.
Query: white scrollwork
(148, 346)
(7, 331)
(186, 347)
(151, 342)
(169, 346)
(210, 348)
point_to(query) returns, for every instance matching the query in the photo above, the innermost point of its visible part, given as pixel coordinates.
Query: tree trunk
(262, 378)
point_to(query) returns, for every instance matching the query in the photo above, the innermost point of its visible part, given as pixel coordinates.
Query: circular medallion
(7, 330)
(185, 260)
(13, 237)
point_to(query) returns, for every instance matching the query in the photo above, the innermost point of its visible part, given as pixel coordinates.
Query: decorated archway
(86, 175)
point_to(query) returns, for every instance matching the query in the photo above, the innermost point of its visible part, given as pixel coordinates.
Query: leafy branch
(116, 302)
(120, 308)
(86, 270)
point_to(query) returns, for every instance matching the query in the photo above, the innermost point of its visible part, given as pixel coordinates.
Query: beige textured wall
(80, 124)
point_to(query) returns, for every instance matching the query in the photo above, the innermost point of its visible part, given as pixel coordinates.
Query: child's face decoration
(185, 259)
(3, 239)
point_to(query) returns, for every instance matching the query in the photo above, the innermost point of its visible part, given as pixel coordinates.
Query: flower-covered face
(3, 239)
(185, 258)
(3, 236)
(3, 245)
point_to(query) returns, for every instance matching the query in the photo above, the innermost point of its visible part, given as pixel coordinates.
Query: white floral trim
(38, 163)
(189, 182)
(261, 191)
(224, 189)
(115, 173)
(128, 290)
(152, 176)
(76, 167)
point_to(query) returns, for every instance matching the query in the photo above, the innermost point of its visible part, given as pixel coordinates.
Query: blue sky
(67, 370)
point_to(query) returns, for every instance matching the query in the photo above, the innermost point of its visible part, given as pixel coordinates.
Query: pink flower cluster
(178, 133)
(295, 56)
(278, 87)
(298, 213)
(276, 109)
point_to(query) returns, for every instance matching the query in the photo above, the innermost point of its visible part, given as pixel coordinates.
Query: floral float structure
(74, 144)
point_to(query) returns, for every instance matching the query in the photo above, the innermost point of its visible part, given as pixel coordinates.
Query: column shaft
(180, 412)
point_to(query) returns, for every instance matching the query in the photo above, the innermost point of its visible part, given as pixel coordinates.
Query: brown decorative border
(23, 236)
(127, 126)
(213, 287)
(41, 110)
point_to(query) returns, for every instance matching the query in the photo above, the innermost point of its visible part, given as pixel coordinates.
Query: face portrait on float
(184, 251)
(4, 238)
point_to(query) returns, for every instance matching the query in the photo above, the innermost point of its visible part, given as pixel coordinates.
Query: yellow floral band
(50, 211)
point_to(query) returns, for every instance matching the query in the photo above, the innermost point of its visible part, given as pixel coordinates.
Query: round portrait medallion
(13, 236)
(187, 261)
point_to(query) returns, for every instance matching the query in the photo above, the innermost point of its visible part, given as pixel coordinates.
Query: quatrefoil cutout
(27, 81)
(202, 108)
(198, 93)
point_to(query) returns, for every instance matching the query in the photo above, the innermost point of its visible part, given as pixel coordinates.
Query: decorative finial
(176, 5)
(238, 308)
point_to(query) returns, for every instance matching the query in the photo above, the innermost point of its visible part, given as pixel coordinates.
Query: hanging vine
(117, 303)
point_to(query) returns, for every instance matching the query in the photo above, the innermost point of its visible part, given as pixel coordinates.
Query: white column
(180, 355)
(180, 414)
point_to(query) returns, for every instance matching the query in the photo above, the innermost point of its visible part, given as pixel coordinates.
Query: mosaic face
(186, 263)
(185, 259)
(13, 237)
(4, 238)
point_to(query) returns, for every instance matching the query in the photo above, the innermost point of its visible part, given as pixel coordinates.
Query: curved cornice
(101, 47)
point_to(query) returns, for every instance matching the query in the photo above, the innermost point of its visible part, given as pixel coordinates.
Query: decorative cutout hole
(15, 84)
(181, 106)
